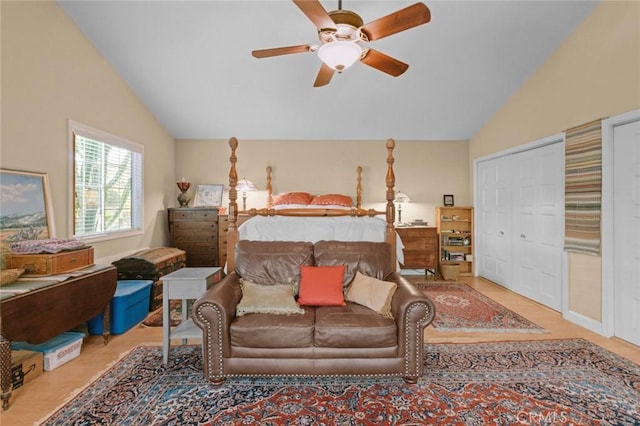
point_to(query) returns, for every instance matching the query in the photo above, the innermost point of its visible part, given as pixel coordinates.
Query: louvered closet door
(494, 220)
(537, 222)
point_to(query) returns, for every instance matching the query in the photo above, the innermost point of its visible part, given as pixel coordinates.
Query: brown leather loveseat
(346, 340)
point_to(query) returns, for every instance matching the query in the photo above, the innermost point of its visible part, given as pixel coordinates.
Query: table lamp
(245, 185)
(400, 198)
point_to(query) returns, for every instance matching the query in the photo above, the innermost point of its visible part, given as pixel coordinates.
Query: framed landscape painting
(25, 207)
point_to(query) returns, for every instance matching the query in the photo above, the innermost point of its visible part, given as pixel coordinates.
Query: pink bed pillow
(332, 200)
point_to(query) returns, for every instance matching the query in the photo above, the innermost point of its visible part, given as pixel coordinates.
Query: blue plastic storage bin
(57, 351)
(129, 306)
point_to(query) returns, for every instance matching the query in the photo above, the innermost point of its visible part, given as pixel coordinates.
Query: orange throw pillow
(321, 286)
(297, 198)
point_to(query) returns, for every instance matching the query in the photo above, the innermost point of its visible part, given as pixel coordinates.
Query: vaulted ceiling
(190, 63)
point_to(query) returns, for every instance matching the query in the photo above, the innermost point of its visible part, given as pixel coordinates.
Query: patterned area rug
(537, 382)
(154, 319)
(461, 308)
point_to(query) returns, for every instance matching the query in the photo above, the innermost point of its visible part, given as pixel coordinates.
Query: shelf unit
(455, 237)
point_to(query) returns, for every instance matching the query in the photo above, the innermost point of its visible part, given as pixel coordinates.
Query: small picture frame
(208, 195)
(448, 200)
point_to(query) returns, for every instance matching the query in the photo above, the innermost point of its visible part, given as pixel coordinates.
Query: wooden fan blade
(316, 13)
(324, 75)
(384, 63)
(277, 51)
(401, 20)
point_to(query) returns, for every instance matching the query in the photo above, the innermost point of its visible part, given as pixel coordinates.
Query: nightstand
(184, 284)
(420, 247)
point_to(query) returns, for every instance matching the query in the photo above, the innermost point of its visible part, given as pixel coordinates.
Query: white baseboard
(586, 322)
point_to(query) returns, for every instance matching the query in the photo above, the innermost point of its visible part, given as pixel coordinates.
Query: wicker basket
(7, 276)
(450, 271)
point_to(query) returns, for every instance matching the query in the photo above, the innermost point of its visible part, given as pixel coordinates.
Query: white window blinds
(107, 184)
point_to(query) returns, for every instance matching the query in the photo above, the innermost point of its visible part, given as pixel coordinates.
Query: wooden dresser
(420, 247)
(195, 230)
(223, 226)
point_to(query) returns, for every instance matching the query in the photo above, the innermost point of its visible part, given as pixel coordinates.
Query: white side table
(184, 284)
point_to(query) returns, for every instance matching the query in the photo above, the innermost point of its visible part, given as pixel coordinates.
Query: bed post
(232, 232)
(269, 189)
(390, 235)
(359, 188)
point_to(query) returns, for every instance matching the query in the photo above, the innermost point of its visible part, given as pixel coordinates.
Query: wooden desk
(39, 315)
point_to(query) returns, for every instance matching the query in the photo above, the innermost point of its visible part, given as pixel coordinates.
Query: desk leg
(5, 371)
(106, 323)
(166, 323)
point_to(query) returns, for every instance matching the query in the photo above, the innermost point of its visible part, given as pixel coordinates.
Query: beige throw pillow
(372, 293)
(267, 299)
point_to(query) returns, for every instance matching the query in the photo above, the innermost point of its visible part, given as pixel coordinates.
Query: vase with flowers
(183, 198)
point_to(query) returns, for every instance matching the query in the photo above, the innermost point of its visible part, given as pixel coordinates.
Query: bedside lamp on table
(245, 185)
(400, 198)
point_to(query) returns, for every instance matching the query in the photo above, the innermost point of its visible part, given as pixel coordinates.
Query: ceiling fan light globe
(340, 55)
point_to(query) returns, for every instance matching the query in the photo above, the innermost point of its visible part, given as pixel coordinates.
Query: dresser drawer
(420, 259)
(192, 235)
(194, 215)
(50, 264)
(430, 244)
(418, 232)
(210, 227)
(197, 248)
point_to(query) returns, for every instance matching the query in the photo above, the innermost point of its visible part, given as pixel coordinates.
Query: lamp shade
(339, 55)
(401, 197)
(246, 185)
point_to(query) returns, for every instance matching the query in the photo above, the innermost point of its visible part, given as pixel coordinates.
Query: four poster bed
(314, 291)
(292, 217)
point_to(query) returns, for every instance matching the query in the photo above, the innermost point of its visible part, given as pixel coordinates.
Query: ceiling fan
(342, 36)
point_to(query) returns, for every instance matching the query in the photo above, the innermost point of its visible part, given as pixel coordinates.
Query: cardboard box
(25, 366)
(129, 306)
(36, 265)
(57, 351)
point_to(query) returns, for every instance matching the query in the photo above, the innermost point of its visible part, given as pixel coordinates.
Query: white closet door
(537, 234)
(494, 220)
(626, 224)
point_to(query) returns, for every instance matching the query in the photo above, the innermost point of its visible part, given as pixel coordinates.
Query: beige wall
(595, 73)
(52, 74)
(425, 170)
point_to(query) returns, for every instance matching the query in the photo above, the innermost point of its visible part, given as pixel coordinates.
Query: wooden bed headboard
(269, 187)
(358, 211)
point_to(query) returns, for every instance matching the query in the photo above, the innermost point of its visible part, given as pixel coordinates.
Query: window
(106, 184)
